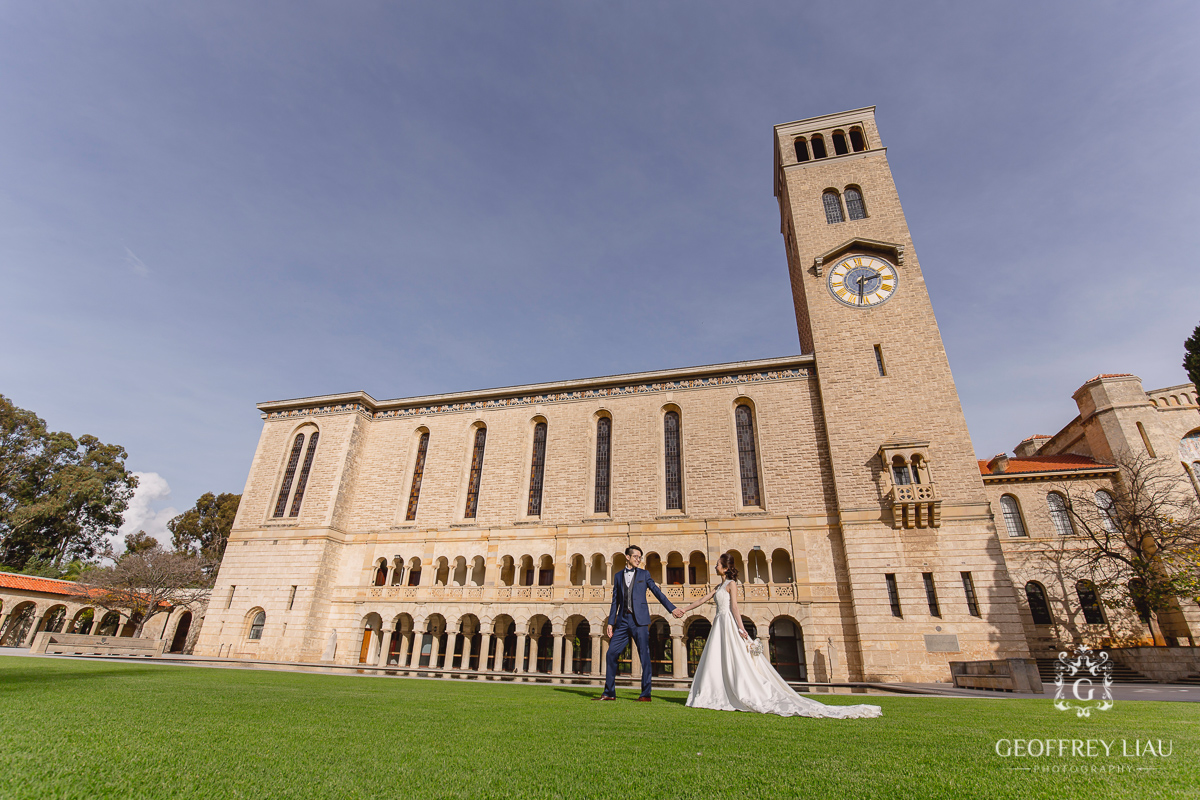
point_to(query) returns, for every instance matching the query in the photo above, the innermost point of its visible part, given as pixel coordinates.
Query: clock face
(862, 281)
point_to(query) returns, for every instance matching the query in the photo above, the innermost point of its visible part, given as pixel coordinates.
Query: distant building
(482, 530)
(30, 605)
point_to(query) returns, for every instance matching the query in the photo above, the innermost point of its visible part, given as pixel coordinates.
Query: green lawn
(82, 729)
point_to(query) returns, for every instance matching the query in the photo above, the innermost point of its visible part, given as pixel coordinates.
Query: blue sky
(207, 205)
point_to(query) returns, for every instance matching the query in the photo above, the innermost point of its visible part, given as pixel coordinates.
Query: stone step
(1120, 673)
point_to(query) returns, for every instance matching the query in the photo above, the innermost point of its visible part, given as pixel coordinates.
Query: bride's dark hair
(726, 561)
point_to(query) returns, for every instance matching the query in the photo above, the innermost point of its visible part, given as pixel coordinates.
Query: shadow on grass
(593, 693)
(15, 679)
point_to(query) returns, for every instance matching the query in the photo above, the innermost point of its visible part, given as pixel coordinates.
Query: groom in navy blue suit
(629, 618)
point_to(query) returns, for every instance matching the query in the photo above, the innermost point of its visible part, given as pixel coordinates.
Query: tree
(147, 583)
(204, 529)
(140, 542)
(60, 498)
(1140, 541)
(1191, 357)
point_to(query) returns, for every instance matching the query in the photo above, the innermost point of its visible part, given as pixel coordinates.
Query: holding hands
(677, 613)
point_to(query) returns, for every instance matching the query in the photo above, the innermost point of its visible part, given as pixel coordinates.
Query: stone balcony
(755, 592)
(915, 505)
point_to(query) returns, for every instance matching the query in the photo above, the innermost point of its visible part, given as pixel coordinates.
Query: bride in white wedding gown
(730, 678)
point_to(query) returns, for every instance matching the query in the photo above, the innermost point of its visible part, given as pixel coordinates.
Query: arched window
(1059, 514)
(839, 143)
(854, 203)
(303, 482)
(833, 207)
(1035, 595)
(818, 146)
(1089, 601)
(1012, 516)
(256, 626)
(476, 473)
(285, 488)
(747, 457)
(900, 474)
(381, 571)
(1137, 593)
(801, 149)
(414, 494)
(858, 142)
(537, 470)
(1107, 509)
(603, 463)
(673, 461)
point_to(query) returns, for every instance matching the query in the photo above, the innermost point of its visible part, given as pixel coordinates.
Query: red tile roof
(1061, 463)
(32, 583)
(1036, 436)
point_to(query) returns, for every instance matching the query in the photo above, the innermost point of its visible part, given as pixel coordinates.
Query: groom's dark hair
(634, 547)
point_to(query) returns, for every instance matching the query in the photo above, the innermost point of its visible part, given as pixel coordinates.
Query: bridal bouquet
(755, 648)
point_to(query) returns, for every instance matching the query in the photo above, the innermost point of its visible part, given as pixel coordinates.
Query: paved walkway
(1164, 692)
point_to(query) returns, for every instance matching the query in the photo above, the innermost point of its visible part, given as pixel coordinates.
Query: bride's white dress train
(728, 678)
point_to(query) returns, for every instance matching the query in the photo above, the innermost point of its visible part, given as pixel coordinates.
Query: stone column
(433, 650)
(597, 663)
(407, 643)
(765, 640)
(603, 654)
(519, 667)
(678, 656)
(498, 656)
(465, 663)
(557, 657)
(533, 653)
(384, 647)
(636, 670)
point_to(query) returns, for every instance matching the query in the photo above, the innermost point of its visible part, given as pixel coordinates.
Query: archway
(130, 627)
(468, 628)
(20, 623)
(182, 628)
(660, 648)
(371, 627)
(108, 624)
(402, 639)
(54, 619)
(696, 631)
(787, 649)
(579, 632)
(84, 621)
(545, 645)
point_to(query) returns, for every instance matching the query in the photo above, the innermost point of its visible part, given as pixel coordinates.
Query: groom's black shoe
(604, 697)
(645, 699)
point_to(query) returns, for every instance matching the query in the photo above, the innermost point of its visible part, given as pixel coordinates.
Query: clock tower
(924, 571)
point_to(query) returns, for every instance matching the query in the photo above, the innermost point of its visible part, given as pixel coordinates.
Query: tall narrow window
(476, 473)
(292, 598)
(288, 474)
(801, 150)
(854, 203)
(857, 142)
(893, 594)
(300, 484)
(747, 457)
(674, 463)
(931, 595)
(414, 494)
(1059, 514)
(1107, 509)
(879, 361)
(1035, 595)
(1012, 516)
(603, 461)
(232, 591)
(1089, 601)
(833, 207)
(900, 474)
(257, 625)
(839, 143)
(969, 590)
(818, 146)
(537, 470)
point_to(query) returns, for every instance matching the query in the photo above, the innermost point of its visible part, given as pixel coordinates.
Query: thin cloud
(136, 264)
(143, 514)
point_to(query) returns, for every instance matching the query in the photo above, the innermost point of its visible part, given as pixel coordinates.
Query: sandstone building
(481, 530)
